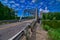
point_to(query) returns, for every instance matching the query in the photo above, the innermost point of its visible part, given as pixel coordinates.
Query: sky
(45, 5)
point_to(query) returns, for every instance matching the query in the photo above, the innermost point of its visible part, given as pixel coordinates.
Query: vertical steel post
(36, 17)
(41, 16)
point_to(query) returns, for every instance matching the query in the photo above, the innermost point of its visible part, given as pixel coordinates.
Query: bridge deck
(9, 30)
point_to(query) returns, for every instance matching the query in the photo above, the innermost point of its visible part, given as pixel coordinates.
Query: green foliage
(54, 34)
(53, 23)
(46, 27)
(6, 13)
(51, 16)
(28, 17)
(53, 28)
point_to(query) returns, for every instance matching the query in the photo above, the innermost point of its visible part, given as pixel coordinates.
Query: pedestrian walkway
(40, 33)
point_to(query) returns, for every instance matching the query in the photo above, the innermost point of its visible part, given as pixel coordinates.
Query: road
(9, 30)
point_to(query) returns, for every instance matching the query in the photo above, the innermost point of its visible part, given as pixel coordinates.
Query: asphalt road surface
(9, 30)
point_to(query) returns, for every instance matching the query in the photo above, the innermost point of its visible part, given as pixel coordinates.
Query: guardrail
(8, 21)
(12, 21)
(24, 31)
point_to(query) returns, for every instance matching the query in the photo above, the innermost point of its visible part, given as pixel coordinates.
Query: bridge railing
(25, 31)
(8, 21)
(12, 21)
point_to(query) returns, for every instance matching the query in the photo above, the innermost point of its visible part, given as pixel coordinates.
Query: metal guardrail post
(32, 26)
(27, 33)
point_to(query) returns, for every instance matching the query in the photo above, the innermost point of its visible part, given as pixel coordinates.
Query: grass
(53, 28)
(53, 23)
(54, 34)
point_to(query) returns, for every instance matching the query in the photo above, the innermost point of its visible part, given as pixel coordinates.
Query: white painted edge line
(18, 33)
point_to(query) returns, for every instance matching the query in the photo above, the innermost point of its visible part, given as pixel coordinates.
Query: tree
(7, 13)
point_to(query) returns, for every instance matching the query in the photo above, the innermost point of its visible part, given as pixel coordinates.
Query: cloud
(46, 8)
(58, 0)
(17, 0)
(41, 3)
(41, 9)
(9, 5)
(33, 1)
(22, 1)
(12, 2)
(52, 2)
(13, 6)
(22, 6)
(17, 4)
(5, 1)
(17, 9)
(44, 11)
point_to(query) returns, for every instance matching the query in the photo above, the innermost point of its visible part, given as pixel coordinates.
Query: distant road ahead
(9, 30)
